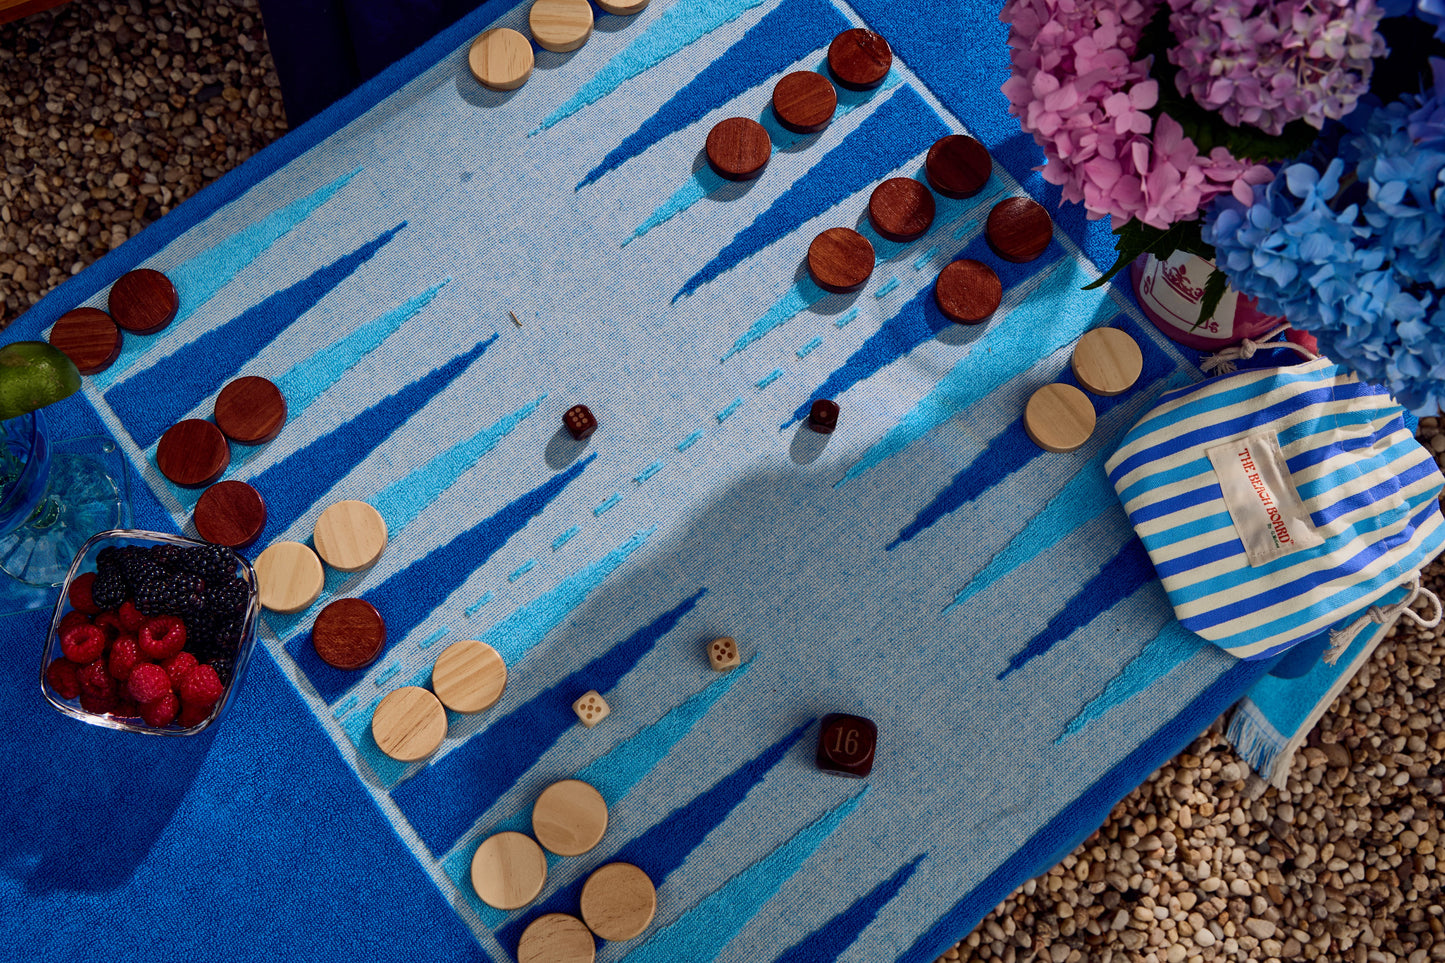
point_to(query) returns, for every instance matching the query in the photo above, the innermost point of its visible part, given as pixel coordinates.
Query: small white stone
(1204, 937)
(1259, 929)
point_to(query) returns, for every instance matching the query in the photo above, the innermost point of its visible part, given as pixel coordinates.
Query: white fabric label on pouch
(1263, 503)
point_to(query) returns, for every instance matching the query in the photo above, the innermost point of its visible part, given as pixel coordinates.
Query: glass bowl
(85, 561)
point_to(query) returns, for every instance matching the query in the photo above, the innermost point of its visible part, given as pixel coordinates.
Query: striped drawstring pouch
(1279, 502)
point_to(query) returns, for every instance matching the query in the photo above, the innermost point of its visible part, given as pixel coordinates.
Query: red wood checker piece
(143, 301)
(968, 291)
(349, 634)
(230, 513)
(193, 453)
(1019, 229)
(901, 209)
(859, 59)
(89, 337)
(250, 410)
(738, 148)
(840, 260)
(958, 166)
(804, 102)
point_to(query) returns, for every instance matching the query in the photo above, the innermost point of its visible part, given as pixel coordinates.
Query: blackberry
(169, 557)
(228, 596)
(136, 565)
(224, 668)
(211, 562)
(176, 594)
(108, 558)
(109, 588)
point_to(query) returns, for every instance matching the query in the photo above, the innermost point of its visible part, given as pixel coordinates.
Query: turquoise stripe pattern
(1171, 646)
(1277, 502)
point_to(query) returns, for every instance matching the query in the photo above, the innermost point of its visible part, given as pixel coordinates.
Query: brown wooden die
(823, 416)
(847, 744)
(723, 653)
(580, 422)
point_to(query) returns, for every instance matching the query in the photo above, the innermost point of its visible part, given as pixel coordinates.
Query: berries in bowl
(151, 633)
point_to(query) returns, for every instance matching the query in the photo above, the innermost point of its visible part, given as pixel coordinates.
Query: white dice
(591, 708)
(723, 653)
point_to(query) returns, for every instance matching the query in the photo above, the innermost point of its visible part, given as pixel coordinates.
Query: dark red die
(823, 417)
(580, 422)
(847, 744)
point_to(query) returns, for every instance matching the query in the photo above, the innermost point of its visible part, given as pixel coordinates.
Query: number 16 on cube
(846, 745)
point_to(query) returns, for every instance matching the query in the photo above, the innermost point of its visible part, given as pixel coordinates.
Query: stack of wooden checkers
(1060, 417)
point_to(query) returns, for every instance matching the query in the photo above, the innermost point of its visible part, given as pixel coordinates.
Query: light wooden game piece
(968, 291)
(469, 676)
(556, 938)
(723, 653)
(230, 513)
(250, 411)
(560, 25)
(618, 901)
(804, 101)
(738, 148)
(840, 260)
(623, 8)
(409, 724)
(859, 59)
(1107, 361)
(501, 58)
(89, 337)
(591, 708)
(290, 577)
(193, 453)
(349, 634)
(350, 536)
(1059, 417)
(508, 870)
(569, 818)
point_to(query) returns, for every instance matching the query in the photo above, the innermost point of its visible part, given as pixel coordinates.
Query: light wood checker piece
(556, 938)
(501, 59)
(291, 577)
(560, 25)
(1059, 417)
(1107, 361)
(623, 8)
(569, 818)
(509, 870)
(350, 536)
(469, 676)
(618, 901)
(409, 724)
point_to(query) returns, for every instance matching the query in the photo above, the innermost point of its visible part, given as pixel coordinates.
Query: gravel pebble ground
(111, 114)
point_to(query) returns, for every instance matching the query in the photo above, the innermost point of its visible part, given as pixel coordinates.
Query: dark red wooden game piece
(804, 101)
(901, 209)
(580, 422)
(250, 410)
(958, 166)
(823, 416)
(193, 453)
(349, 634)
(89, 337)
(847, 744)
(738, 148)
(230, 513)
(859, 59)
(968, 291)
(143, 301)
(840, 260)
(1019, 229)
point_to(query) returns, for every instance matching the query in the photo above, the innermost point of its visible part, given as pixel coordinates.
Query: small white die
(591, 708)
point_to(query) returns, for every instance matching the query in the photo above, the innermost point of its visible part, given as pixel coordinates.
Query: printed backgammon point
(580, 422)
(847, 745)
(722, 653)
(591, 708)
(823, 416)
(569, 817)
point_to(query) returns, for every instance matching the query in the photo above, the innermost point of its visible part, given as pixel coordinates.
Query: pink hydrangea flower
(1077, 89)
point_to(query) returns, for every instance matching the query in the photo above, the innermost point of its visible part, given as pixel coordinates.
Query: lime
(34, 374)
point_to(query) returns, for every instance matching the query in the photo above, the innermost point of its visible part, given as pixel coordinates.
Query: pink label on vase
(1174, 288)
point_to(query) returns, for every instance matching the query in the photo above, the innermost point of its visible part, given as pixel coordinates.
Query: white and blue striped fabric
(1366, 497)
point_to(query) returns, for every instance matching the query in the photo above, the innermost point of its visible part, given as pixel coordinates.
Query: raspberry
(149, 682)
(79, 594)
(201, 687)
(130, 616)
(83, 643)
(178, 665)
(109, 589)
(193, 715)
(162, 712)
(124, 657)
(125, 706)
(161, 638)
(62, 678)
(70, 620)
(110, 622)
(93, 677)
(97, 702)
